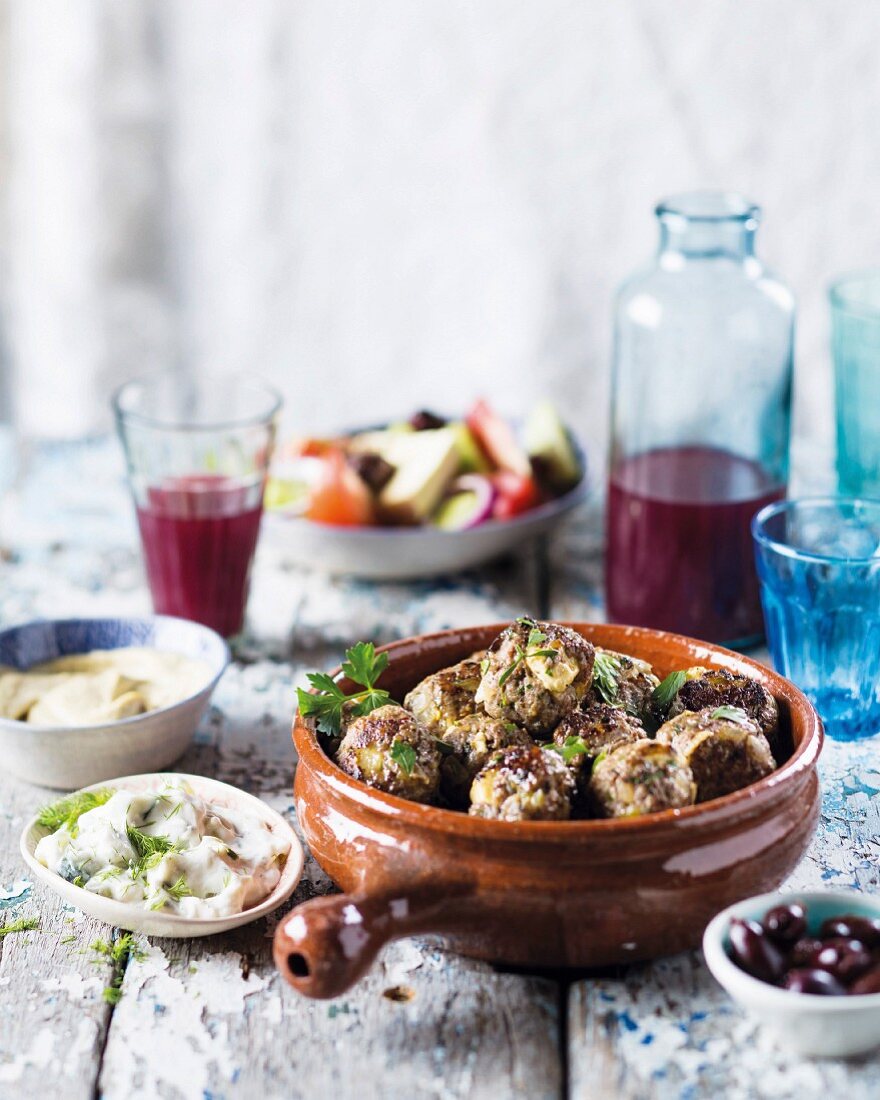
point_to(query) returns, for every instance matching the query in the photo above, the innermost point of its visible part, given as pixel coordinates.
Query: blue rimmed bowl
(68, 757)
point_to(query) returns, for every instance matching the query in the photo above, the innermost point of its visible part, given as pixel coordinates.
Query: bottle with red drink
(701, 403)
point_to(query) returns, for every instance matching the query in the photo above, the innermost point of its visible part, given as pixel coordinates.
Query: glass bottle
(701, 404)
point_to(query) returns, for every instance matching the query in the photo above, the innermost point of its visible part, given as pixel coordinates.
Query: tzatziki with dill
(166, 849)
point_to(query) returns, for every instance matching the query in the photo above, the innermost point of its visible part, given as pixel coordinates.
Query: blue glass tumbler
(819, 571)
(855, 328)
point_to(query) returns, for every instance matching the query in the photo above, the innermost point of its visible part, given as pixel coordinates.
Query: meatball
(389, 750)
(601, 728)
(622, 681)
(535, 674)
(723, 752)
(523, 784)
(442, 700)
(716, 687)
(641, 778)
(469, 744)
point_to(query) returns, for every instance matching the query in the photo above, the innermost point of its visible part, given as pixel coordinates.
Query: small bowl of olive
(806, 964)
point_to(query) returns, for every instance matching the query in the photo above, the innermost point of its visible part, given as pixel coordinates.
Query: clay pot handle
(325, 945)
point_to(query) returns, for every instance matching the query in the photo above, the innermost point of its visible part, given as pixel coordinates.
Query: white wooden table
(211, 1019)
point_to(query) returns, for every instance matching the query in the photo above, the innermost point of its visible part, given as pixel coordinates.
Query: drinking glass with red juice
(701, 398)
(197, 452)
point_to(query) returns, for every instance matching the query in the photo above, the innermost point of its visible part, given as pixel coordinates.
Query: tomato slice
(495, 436)
(515, 494)
(339, 496)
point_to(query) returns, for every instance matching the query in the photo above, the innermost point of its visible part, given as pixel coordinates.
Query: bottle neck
(708, 224)
(707, 239)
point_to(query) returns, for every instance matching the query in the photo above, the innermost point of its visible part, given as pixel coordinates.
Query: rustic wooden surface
(210, 1018)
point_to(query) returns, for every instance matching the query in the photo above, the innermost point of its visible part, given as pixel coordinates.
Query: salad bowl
(158, 923)
(572, 894)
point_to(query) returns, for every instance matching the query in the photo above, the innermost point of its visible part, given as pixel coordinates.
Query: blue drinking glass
(819, 571)
(855, 341)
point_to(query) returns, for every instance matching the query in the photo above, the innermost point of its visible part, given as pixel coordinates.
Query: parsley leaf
(667, 689)
(536, 637)
(570, 748)
(598, 760)
(362, 665)
(606, 676)
(732, 714)
(404, 756)
(327, 701)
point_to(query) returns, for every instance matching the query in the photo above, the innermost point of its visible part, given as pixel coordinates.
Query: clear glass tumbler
(819, 567)
(701, 396)
(855, 341)
(198, 451)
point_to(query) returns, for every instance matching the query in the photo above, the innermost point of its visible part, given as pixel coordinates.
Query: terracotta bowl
(574, 894)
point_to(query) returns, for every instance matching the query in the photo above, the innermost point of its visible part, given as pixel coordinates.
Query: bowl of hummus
(82, 700)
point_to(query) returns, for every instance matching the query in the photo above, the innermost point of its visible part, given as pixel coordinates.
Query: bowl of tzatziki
(165, 854)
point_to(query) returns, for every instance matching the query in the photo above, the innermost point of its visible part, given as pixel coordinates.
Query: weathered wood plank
(53, 1020)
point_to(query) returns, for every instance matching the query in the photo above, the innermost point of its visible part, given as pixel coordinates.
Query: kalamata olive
(868, 983)
(803, 952)
(785, 924)
(813, 981)
(425, 421)
(851, 927)
(845, 959)
(372, 469)
(754, 952)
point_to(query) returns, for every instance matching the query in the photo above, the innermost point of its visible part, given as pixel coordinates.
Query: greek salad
(428, 470)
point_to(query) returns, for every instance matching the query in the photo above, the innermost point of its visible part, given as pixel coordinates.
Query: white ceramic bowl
(74, 756)
(407, 553)
(122, 915)
(815, 1026)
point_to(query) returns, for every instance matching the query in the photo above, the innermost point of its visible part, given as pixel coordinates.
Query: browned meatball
(523, 784)
(724, 748)
(716, 687)
(622, 681)
(641, 778)
(599, 728)
(446, 697)
(470, 742)
(535, 674)
(389, 750)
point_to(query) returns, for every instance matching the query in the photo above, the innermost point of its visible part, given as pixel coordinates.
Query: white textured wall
(411, 201)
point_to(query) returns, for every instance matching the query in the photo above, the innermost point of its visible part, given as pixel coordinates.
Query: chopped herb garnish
(118, 954)
(149, 850)
(174, 810)
(445, 750)
(598, 760)
(484, 666)
(606, 676)
(732, 714)
(23, 924)
(570, 748)
(536, 637)
(667, 689)
(328, 701)
(67, 811)
(79, 881)
(404, 756)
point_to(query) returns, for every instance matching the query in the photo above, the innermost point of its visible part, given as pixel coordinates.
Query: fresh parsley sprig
(403, 755)
(536, 639)
(606, 675)
(327, 703)
(667, 689)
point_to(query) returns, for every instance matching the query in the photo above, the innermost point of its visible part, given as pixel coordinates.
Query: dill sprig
(149, 850)
(68, 810)
(118, 953)
(175, 891)
(23, 924)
